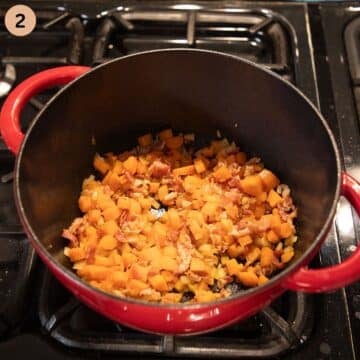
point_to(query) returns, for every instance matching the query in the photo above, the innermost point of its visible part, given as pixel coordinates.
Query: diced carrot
(252, 185)
(130, 164)
(163, 191)
(245, 240)
(233, 267)
(136, 286)
(109, 228)
(129, 258)
(158, 283)
(286, 230)
(266, 256)
(269, 180)
(85, 203)
(168, 263)
(272, 237)
(139, 272)
(199, 165)
(263, 279)
(154, 187)
(119, 279)
(222, 174)
(111, 213)
(94, 272)
(288, 254)
(108, 242)
(235, 250)
(248, 278)
(274, 198)
(198, 266)
(76, 254)
(100, 164)
(185, 170)
(94, 215)
(150, 254)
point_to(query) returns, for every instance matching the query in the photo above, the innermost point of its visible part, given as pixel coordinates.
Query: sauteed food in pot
(167, 223)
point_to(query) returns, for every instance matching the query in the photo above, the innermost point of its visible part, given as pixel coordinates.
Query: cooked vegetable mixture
(169, 224)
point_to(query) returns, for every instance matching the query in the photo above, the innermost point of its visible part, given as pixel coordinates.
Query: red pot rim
(72, 277)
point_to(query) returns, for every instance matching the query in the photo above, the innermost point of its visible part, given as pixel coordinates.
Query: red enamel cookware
(190, 91)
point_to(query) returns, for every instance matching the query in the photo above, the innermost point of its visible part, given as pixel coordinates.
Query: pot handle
(16, 100)
(336, 276)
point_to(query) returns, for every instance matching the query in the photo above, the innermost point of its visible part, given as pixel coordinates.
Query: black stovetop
(314, 46)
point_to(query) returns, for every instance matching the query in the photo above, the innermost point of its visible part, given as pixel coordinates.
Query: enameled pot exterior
(188, 90)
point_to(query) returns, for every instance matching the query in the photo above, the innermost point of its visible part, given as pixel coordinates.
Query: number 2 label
(20, 20)
(20, 23)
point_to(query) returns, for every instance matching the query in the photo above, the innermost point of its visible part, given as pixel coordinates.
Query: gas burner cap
(7, 79)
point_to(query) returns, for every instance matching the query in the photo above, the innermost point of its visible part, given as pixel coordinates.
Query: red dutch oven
(190, 91)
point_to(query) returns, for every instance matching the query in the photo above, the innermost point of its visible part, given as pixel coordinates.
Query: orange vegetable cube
(234, 251)
(199, 165)
(123, 203)
(266, 256)
(248, 278)
(170, 251)
(150, 254)
(288, 254)
(76, 254)
(274, 198)
(108, 242)
(286, 230)
(129, 259)
(130, 164)
(94, 216)
(269, 180)
(233, 267)
(85, 203)
(263, 279)
(138, 272)
(185, 170)
(109, 228)
(198, 266)
(222, 174)
(158, 282)
(245, 240)
(136, 286)
(252, 185)
(94, 272)
(272, 237)
(111, 213)
(119, 279)
(154, 187)
(168, 263)
(100, 164)
(113, 180)
(163, 191)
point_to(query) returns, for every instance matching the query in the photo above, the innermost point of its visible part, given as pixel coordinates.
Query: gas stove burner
(7, 79)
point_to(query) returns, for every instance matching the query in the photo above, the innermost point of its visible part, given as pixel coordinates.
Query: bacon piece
(159, 169)
(71, 237)
(184, 249)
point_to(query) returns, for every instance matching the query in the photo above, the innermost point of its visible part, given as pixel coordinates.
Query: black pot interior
(189, 91)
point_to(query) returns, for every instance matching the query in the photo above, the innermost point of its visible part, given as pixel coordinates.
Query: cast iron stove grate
(286, 324)
(72, 37)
